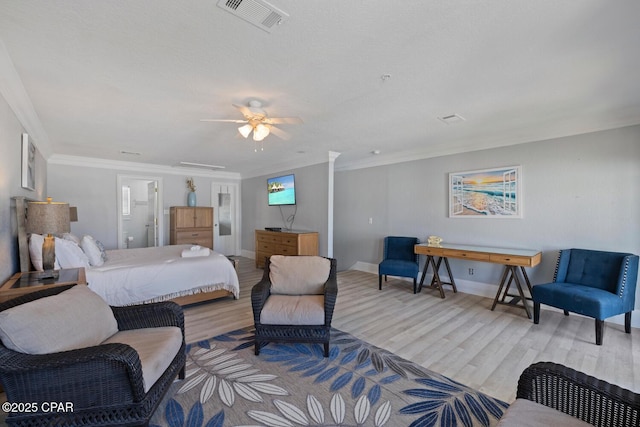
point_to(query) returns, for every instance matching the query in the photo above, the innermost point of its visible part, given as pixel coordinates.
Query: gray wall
(10, 185)
(94, 192)
(311, 209)
(579, 191)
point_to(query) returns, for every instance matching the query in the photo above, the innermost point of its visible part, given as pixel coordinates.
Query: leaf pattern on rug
(442, 404)
(218, 369)
(357, 385)
(291, 415)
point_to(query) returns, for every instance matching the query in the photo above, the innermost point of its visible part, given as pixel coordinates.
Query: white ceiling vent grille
(257, 12)
(451, 119)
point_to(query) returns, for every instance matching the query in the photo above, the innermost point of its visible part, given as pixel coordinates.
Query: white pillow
(75, 318)
(69, 255)
(35, 252)
(92, 251)
(102, 250)
(69, 236)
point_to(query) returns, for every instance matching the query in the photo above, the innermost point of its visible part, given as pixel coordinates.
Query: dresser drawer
(511, 260)
(289, 240)
(268, 238)
(286, 250)
(476, 256)
(202, 241)
(265, 246)
(185, 236)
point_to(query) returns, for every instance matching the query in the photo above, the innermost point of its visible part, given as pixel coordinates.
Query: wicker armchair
(581, 396)
(104, 383)
(295, 331)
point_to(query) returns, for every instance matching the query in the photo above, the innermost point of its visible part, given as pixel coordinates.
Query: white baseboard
(248, 254)
(487, 290)
(467, 286)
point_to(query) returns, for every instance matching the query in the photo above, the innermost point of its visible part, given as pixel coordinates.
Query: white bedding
(131, 276)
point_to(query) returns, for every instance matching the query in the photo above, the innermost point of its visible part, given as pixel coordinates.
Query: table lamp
(48, 218)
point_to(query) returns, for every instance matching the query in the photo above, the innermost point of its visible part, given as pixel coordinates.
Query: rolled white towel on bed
(195, 251)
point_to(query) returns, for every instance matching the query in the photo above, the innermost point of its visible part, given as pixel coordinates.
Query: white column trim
(333, 155)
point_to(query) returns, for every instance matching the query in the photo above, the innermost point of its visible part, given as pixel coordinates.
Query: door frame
(159, 209)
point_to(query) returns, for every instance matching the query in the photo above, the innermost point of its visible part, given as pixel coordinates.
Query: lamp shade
(48, 217)
(245, 130)
(260, 132)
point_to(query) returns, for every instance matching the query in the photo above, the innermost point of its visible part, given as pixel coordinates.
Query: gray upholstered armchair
(113, 364)
(593, 283)
(294, 301)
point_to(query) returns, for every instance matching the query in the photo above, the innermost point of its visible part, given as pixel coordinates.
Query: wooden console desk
(514, 261)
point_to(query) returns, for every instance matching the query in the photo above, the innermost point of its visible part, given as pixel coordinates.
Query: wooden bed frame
(25, 259)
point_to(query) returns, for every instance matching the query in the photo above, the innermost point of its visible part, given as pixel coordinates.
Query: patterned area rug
(294, 385)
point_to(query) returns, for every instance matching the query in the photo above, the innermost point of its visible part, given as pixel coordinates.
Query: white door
(226, 218)
(152, 216)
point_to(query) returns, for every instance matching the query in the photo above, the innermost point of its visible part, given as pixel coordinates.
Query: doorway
(226, 210)
(139, 205)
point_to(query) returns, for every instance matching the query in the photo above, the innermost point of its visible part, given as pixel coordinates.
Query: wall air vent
(257, 12)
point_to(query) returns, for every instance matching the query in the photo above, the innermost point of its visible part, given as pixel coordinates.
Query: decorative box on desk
(31, 281)
(285, 242)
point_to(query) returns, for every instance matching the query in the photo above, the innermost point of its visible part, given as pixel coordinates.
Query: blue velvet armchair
(593, 283)
(399, 259)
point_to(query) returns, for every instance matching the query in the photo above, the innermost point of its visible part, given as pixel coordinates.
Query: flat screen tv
(281, 190)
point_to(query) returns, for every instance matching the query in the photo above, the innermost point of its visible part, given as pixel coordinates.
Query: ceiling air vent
(451, 119)
(257, 12)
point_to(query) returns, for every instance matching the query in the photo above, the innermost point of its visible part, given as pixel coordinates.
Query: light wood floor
(459, 336)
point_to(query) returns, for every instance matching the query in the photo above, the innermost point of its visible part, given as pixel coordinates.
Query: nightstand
(23, 283)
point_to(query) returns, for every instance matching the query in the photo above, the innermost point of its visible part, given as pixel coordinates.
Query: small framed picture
(487, 193)
(28, 163)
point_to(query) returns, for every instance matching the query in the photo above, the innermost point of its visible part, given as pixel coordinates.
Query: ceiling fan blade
(223, 120)
(279, 133)
(283, 120)
(244, 110)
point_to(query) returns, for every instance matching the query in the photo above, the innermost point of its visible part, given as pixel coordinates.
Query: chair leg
(182, 373)
(536, 313)
(257, 348)
(379, 282)
(566, 313)
(627, 322)
(326, 349)
(415, 286)
(599, 331)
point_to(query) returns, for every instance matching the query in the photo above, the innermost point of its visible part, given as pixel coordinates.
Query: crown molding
(91, 162)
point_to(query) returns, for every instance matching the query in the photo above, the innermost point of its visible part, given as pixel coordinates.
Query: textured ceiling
(107, 76)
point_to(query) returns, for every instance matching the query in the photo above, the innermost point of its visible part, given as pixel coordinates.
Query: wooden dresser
(191, 226)
(284, 243)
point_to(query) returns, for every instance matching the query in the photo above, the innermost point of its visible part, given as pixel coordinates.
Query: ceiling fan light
(245, 130)
(260, 132)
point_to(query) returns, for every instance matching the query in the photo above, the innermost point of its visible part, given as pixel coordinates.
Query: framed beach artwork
(486, 193)
(28, 163)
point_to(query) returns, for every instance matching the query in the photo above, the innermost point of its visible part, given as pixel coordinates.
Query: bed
(132, 276)
(158, 274)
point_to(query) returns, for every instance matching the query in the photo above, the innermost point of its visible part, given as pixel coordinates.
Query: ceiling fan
(257, 121)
